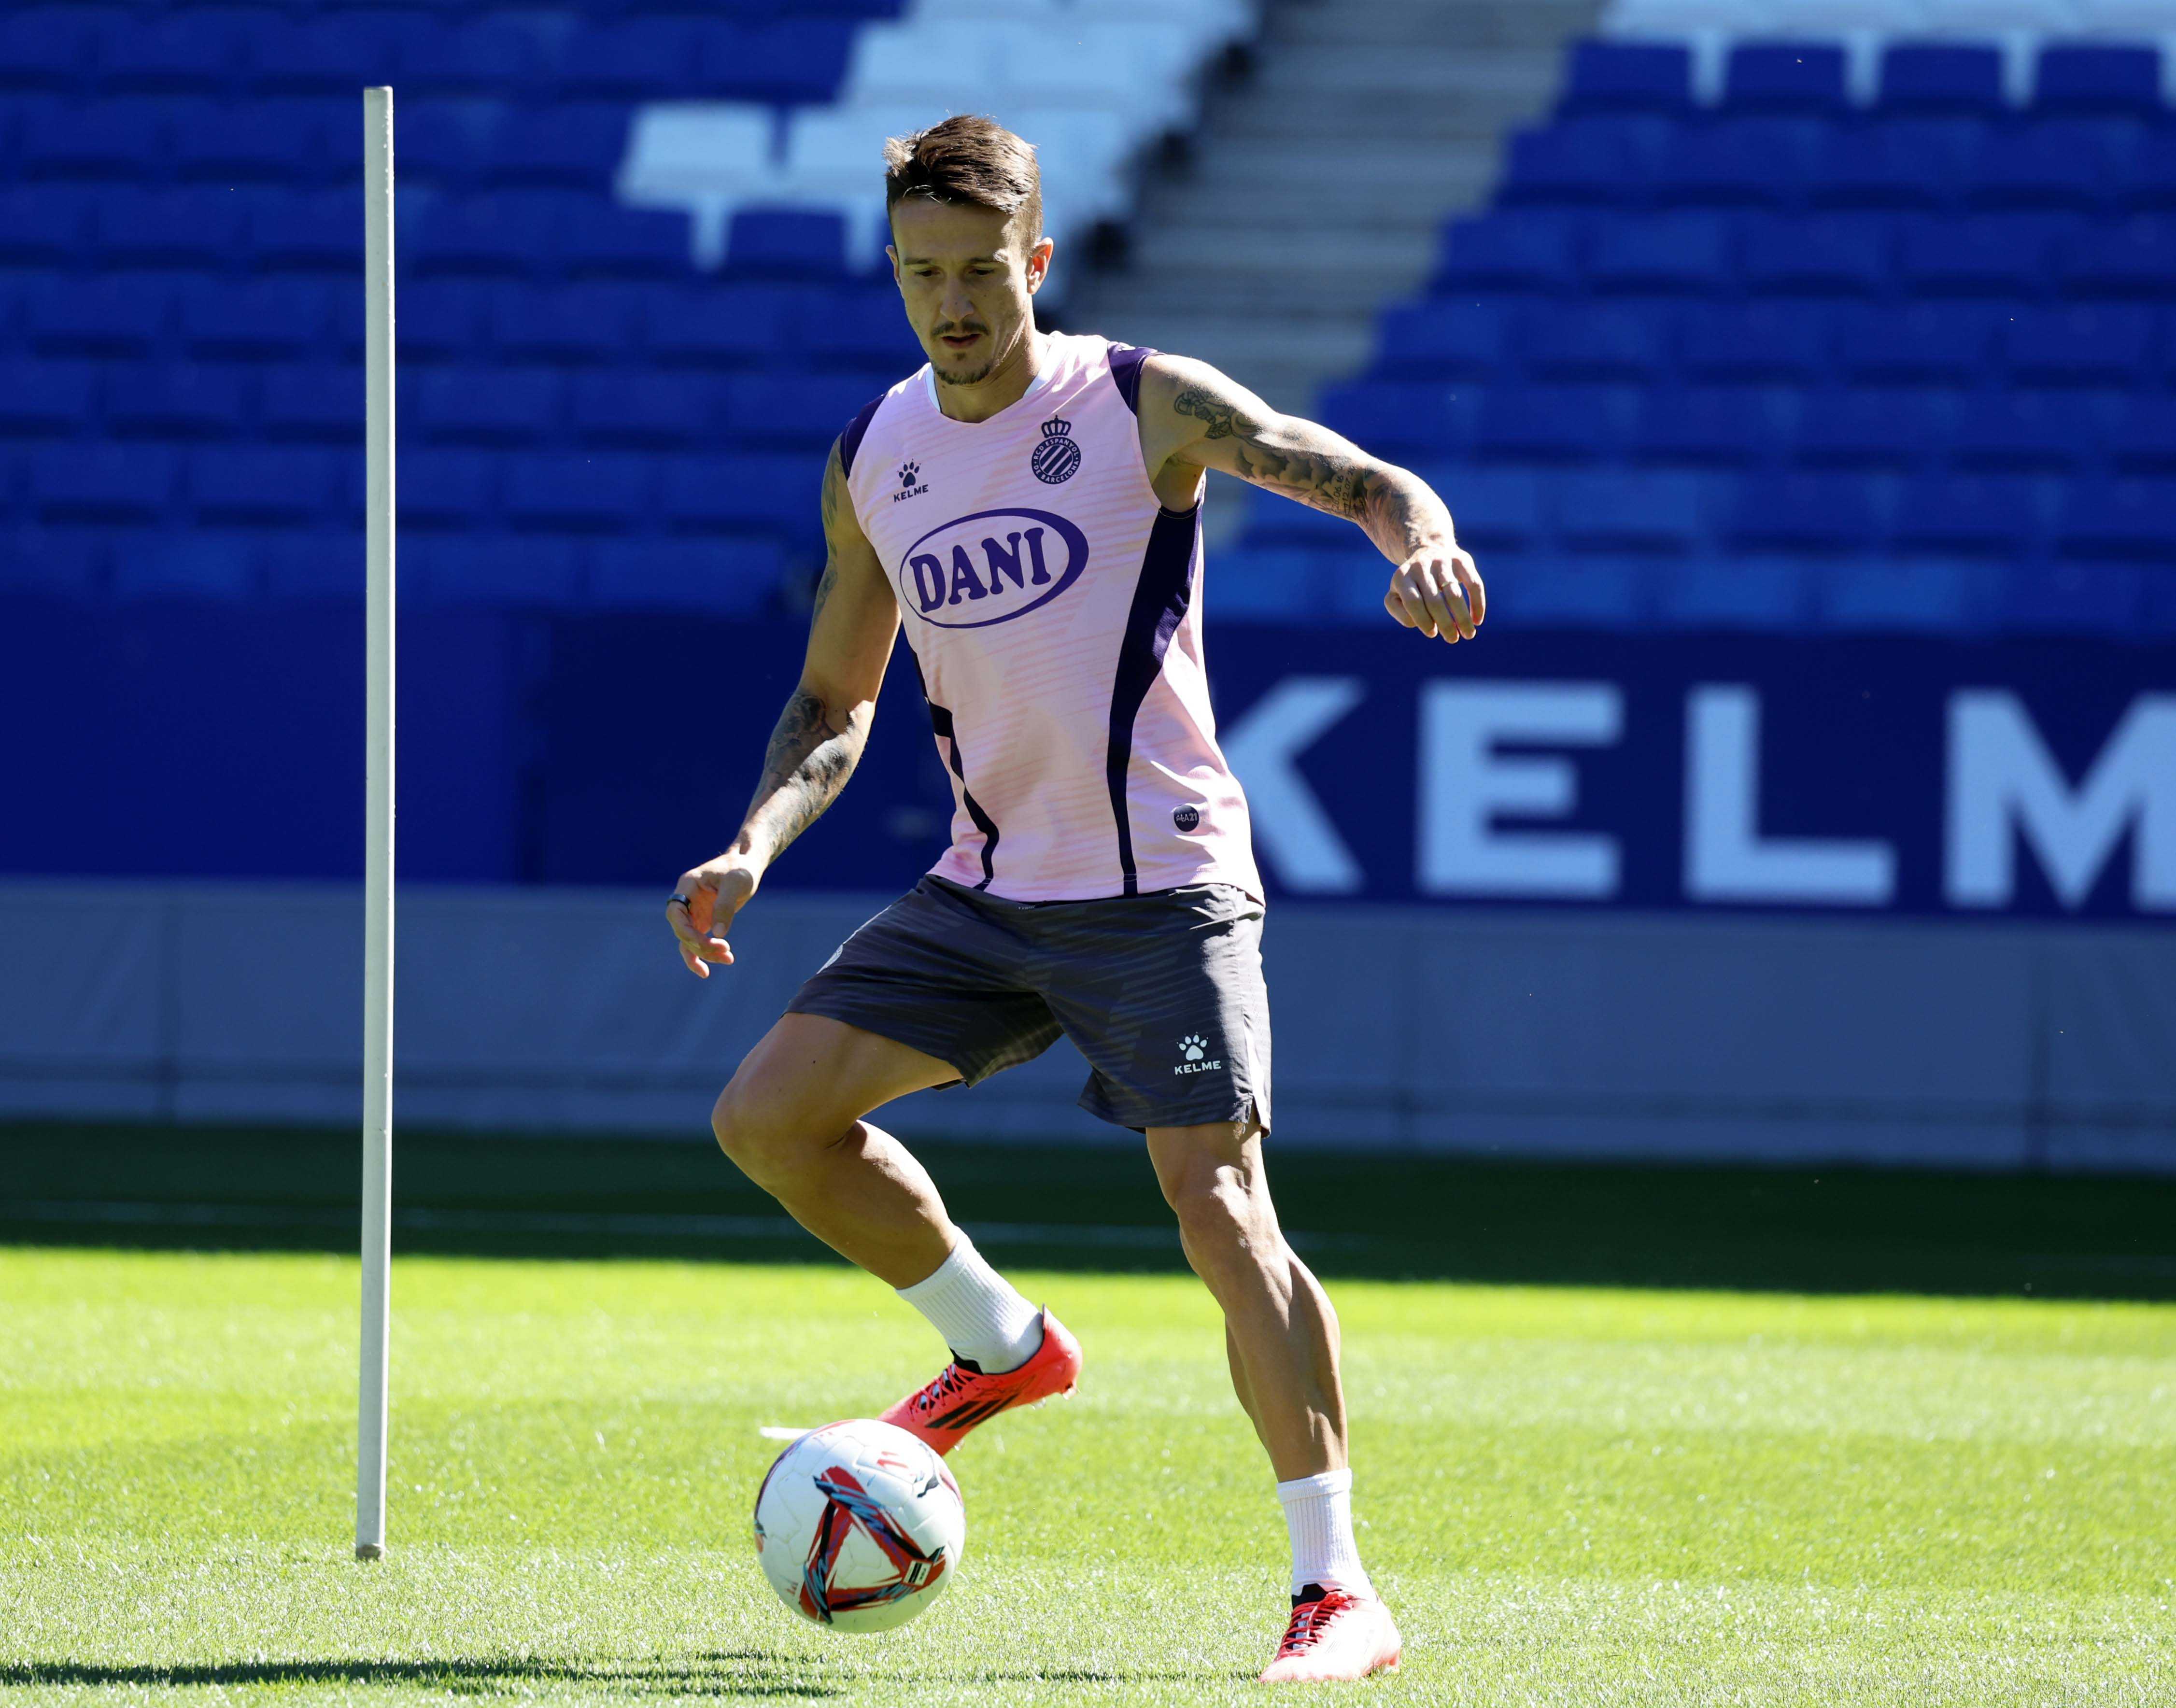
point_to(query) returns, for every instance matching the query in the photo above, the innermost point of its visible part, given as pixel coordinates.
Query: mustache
(946, 328)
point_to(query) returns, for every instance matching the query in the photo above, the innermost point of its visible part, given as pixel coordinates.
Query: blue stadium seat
(2098, 78)
(1444, 338)
(1661, 255)
(440, 489)
(91, 139)
(329, 53)
(262, 317)
(1816, 255)
(498, 571)
(49, 47)
(188, 400)
(720, 578)
(1519, 249)
(1919, 343)
(632, 59)
(2058, 163)
(2022, 431)
(265, 486)
(596, 238)
(576, 143)
(1763, 591)
(44, 224)
(1916, 162)
(1884, 428)
(1605, 160)
(737, 492)
(307, 231)
(785, 243)
(44, 400)
(1817, 513)
(1402, 418)
(443, 143)
(783, 411)
(1618, 340)
(444, 319)
(310, 564)
(1586, 591)
(1648, 512)
(791, 60)
(1767, 340)
(210, 564)
(1272, 583)
(321, 400)
(1273, 520)
(1738, 162)
(102, 482)
(1941, 77)
(1494, 509)
(199, 228)
(1785, 77)
(1929, 594)
(2105, 344)
(2135, 258)
(53, 562)
(1627, 76)
(500, 405)
(491, 53)
(283, 140)
(2132, 520)
(591, 323)
(732, 323)
(1711, 426)
(858, 327)
(614, 407)
(1968, 517)
(1553, 423)
(2150, 180)
(600, 493)
(503, 233)
(1979, 255)
(193, 52)
(108, 315)
(2143, 437)
(2088, 598)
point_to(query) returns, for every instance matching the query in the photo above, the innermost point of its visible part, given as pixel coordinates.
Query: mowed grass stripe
(1576, 1496)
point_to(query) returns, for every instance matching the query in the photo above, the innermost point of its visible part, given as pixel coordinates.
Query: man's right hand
(716, 890)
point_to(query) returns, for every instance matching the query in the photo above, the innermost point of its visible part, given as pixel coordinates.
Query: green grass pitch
(1576, 1496)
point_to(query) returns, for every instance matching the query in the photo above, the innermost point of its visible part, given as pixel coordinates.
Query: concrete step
(1346, 171)
(1262, 249)
(1418, 73)
(1401, 23)
(1331, 116)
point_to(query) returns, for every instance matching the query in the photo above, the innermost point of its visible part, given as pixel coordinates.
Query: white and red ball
(859, 1525)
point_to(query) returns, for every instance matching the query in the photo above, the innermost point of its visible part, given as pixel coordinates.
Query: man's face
(967, 277)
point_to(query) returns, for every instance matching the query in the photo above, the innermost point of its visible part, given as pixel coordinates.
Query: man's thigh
(819, 1075)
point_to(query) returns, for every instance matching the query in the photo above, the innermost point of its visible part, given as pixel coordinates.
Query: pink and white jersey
(1054, 611)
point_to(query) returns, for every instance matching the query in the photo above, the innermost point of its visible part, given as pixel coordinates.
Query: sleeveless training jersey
(1053, 608)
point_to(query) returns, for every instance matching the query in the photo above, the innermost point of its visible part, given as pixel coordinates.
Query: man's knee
(759, 1128)
(1223, 1209)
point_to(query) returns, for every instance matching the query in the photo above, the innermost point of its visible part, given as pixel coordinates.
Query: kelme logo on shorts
(990, 567)
(1057, 458)
(1194, 1054)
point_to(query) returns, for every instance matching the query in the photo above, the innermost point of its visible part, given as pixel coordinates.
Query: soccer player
(1029, 503)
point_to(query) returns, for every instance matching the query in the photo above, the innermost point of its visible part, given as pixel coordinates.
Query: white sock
(981, 1315)
(1318, 1513)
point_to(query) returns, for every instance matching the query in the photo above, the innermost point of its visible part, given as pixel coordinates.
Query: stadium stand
(1805, 315)
(639, 246)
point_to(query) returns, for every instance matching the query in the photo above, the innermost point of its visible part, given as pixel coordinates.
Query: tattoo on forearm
(808, 761)
(1306, 462)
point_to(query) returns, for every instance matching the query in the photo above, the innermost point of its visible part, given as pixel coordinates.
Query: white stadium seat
(704, 158)
(894, 64)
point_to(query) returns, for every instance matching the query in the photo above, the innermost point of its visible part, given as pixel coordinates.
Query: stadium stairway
(1314, 192)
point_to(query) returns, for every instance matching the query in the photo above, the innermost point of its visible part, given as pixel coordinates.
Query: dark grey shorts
(1163, 993)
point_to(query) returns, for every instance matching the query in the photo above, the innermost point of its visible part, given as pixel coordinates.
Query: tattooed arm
(1193, 417)
(819, 735)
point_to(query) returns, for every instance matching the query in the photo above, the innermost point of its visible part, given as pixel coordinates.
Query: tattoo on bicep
(1225, 418)
(1325, 477)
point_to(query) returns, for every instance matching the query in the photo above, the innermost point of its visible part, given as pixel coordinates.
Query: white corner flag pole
(377, 823)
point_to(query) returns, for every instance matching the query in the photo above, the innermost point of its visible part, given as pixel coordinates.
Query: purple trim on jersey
(1126, 360)
(851, 440)
(941, 725)
(1160, 597)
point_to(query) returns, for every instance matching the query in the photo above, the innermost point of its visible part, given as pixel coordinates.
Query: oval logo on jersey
(990, 568)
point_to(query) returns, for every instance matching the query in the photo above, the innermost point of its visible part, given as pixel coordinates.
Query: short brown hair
(971, 159)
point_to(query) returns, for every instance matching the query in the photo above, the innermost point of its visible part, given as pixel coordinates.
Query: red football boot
(944, 1413)
(1334, 1635)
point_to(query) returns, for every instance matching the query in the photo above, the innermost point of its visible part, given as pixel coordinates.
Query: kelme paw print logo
(1196, 1047)
(908, 473)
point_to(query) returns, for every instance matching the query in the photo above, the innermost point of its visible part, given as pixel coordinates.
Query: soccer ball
(859, 1525)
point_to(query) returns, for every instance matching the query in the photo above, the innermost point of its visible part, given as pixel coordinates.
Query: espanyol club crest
(1057, 458)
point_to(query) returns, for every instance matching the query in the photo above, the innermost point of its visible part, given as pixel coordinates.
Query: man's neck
(1003, 387)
